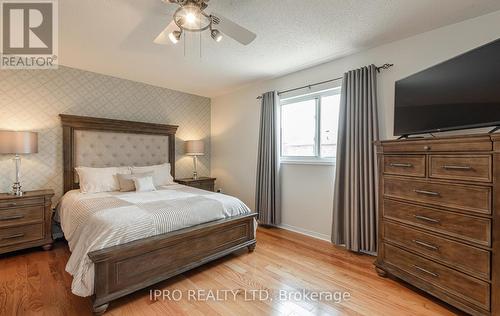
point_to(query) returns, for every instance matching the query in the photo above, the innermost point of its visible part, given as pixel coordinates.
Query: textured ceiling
(115, 37)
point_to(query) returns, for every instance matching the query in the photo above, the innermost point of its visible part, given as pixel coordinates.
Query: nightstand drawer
(206, 186)
(17, 202)
(21, 234)
(209, 186)
(203, 183)
(17, 216)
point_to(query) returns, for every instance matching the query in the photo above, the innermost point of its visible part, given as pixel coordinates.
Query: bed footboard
(123, 269)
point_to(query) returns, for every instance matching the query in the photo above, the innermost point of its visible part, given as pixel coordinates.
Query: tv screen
(463, 92)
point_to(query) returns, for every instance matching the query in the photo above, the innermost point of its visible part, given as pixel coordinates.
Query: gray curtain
(355, 196)
(268, 194)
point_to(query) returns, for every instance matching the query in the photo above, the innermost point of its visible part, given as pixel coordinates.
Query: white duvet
(101, 220)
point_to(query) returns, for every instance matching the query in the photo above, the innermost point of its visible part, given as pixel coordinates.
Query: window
(309, 127)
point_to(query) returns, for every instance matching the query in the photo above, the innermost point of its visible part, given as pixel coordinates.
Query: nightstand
(25, 221)
(203, 183)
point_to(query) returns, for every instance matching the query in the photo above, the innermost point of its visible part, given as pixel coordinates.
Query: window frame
(308, 160)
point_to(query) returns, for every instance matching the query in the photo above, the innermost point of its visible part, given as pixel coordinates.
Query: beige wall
(32, 100)
(307, 190)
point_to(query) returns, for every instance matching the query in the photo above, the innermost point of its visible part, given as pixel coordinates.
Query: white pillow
(95, 180)
(144, 184)
(161, 173)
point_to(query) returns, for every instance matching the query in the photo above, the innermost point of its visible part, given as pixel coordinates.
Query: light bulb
(190, 18)
(216, 35)
(175, 36)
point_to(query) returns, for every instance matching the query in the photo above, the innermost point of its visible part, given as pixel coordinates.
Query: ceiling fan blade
(162, 38)
(233, 30)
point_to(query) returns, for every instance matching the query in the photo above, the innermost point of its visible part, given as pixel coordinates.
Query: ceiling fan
(191, 17)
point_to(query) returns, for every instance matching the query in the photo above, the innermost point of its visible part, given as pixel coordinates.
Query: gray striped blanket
(97, 221)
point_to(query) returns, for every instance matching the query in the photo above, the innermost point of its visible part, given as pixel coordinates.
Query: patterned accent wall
(33, 99)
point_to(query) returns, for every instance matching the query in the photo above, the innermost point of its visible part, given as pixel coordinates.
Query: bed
(122, 242)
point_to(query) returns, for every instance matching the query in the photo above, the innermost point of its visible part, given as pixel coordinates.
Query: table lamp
(195, 148)
(18, 143)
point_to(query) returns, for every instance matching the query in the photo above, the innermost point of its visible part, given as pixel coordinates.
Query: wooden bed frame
(123, 269)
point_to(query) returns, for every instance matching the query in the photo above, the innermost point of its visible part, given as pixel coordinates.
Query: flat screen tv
(461, 93)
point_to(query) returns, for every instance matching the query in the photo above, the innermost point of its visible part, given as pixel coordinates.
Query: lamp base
(195, 169)
(16, 189)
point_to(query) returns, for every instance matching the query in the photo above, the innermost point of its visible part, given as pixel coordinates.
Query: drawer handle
(427, 219)
(426, 245)
(401, 165)
(426, 192)
(14, 236)
(11, 204)
(9, 218)
(426, 271)
(450, 167)
(427, 147)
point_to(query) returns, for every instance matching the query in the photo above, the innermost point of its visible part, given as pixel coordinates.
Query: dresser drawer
(465, 197)
(406, 165)
(467, 144)
(456, 283)
(460, 256)
(467, 168)
(17, 216)
(22, 202)
(469, 228)
(14, 235)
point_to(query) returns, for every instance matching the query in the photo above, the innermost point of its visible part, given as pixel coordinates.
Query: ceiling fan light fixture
(175, 36)
(190, 16)
(216, 35)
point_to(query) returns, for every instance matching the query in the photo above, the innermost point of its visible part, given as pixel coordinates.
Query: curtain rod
(384, 66)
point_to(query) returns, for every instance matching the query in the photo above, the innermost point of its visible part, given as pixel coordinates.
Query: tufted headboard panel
(108, 149)
(98, 142)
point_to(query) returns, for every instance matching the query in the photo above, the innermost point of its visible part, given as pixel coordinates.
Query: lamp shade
(195, 148)
(18, 142)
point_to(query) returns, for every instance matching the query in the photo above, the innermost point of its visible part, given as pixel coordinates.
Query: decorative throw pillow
(144, 184)
(161, 173)
(126, 181)
(95, 180)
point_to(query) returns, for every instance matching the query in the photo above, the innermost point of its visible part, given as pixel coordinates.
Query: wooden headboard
(73, 124)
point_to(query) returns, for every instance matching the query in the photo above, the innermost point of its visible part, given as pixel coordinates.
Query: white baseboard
(315, 235)
(305, 232)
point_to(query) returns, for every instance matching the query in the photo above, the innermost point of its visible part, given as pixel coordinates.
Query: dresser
(25, 221)
(204, 183)
(439, 218)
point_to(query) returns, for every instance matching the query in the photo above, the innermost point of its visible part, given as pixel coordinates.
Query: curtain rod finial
(384, 66)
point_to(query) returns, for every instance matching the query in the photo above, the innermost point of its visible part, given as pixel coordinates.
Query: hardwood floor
(33, 282)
